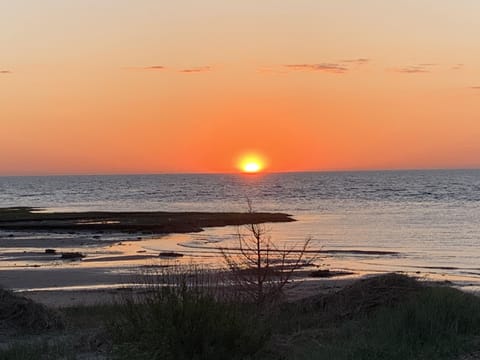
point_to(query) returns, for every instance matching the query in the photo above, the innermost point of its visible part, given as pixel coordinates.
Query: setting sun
(251, 167)
(251, 164)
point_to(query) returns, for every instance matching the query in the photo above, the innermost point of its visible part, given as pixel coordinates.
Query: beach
(97, 324)
(82, 282)
(36, 241)
(378, 252)
(113, 260)
(114, 257)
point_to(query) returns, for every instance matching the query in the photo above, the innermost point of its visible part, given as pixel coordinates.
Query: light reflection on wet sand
(126, 254)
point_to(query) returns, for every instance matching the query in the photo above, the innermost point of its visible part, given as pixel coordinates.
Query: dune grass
(186, 314)
(186, 327)
(439, 323)
(389, 317)
(435, 323)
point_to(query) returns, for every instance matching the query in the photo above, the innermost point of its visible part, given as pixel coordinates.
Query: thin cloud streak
(359, 61)
(414, 69)
(5, 72)
(198, 69)
(146, 68)
(162, 68)
(335, 68)
(155, 67)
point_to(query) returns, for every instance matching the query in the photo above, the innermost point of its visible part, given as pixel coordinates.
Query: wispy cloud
(155, 67)
(5, 72)
(358, 61)
(475, 87)
(162, 68)
(415, 69)
(412, 70)
(146, 68)
(457, 66)
(336, 68)
(197, 69)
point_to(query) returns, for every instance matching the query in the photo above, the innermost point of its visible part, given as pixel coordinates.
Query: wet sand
(27, 233)
(118, 252)
(111, 243)
(83, 296)
(155, 222)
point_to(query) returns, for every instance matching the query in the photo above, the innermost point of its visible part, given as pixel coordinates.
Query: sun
(251, 164)
(252, 167)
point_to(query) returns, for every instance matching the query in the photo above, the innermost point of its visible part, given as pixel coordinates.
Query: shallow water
(431, 218)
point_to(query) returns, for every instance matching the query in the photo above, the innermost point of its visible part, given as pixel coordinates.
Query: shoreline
(113, 293)
(154, 222)
(108, 244)
(63, 298)
(116, 257)
(66, 287)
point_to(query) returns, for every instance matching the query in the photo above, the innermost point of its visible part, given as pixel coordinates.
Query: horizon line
(242, 173)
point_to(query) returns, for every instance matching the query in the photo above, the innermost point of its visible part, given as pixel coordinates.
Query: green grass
(185, 322)
(437, 323)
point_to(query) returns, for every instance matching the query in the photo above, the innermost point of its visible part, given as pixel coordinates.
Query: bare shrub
(260, 269)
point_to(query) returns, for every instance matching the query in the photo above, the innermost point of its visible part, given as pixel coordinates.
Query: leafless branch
(258, 267)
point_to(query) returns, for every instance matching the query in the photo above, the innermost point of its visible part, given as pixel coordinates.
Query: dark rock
(50, 251)
(170, 254)
(328, 274)
(72, 255)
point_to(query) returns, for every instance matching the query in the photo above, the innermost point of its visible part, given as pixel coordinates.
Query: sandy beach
(69, 296)
(107, 249)
(115, 257)
(73, 288)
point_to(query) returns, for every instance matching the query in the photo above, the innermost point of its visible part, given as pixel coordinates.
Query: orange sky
(117, 86)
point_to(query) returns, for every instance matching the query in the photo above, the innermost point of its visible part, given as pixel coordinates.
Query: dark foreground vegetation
(157, 222)
(386, 317)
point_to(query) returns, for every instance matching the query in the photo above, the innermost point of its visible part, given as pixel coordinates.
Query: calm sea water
(432, 218)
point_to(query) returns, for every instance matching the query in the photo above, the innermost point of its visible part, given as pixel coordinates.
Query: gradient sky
(116, 86)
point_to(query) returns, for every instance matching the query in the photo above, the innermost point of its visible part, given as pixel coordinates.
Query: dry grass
(19, 314)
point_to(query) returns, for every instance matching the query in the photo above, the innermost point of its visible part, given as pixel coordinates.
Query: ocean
(430, 219)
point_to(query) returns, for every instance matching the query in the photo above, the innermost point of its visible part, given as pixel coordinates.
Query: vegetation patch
(386, 317)
(19, 314)
(186, 324)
